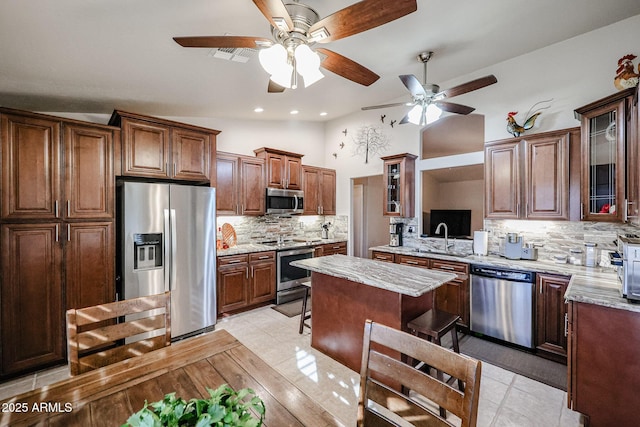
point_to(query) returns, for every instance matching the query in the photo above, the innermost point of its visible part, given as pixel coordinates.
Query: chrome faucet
(446, 235)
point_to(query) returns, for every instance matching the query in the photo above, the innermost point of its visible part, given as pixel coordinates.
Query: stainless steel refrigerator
(167, 235)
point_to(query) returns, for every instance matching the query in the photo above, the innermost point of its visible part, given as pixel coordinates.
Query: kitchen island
(348, 290)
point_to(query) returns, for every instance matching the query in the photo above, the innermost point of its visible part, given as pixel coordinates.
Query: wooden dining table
(109, 395)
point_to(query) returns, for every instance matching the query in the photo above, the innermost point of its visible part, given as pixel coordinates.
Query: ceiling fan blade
(413, 84)
(362, 16)
(275, 87)
(222, 41)
(454, 108)
(345, 67)
(276, 13)
(396, 104)
(468, 87)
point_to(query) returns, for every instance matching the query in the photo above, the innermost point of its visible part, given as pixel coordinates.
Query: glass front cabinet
(608, 147)
(399, 185)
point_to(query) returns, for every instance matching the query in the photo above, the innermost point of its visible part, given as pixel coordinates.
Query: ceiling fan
(296, 27)
(427, 99)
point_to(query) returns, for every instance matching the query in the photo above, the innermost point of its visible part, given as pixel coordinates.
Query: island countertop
(403, 279)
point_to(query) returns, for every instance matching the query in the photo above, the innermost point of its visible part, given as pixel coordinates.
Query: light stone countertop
(247, 248)
(403, 279)
(599, 286)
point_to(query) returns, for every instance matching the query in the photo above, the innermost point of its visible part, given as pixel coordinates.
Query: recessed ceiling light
(324, 113)
(258, 109)
(294, 112)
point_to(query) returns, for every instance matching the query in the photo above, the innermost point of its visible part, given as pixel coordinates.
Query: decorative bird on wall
(515, 129)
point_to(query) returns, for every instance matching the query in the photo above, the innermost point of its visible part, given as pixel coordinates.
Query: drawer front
(232, 260)
(412, 260)
(461, 269)
(382, 256)
(262, 256)
(334, 248)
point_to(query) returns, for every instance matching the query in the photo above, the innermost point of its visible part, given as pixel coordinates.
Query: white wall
(574, 73)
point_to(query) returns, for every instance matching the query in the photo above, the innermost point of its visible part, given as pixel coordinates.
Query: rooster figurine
(626, 77)
(515, 129)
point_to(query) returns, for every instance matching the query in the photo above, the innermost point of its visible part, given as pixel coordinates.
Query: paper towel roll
(480, 242)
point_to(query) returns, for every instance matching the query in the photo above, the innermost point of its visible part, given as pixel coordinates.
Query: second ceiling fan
(426, 96)
(296, 27)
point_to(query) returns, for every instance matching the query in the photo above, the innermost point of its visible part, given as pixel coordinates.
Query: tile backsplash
(551, 237)
(256, 229)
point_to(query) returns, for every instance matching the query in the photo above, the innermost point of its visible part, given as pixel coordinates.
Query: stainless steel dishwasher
(502, 304)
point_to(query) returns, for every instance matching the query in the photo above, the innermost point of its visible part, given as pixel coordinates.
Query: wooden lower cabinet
(89, 264)
(246, 280)
(382, 256)
(453, 296)
(262, 285)
(31, 297)
(603, 368)
(551, 316)
(331, 249)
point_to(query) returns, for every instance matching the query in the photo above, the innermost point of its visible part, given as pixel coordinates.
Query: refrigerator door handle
(167, 251)
(174, 256)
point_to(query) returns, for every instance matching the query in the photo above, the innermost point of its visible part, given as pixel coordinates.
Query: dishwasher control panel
(500, 273)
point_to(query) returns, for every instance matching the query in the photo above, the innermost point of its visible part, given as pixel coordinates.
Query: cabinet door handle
(68, 232)
(264, 257)
(68, 207)
(445, 267)
(540, 288)
(234, 261)
(411, 262)
(57, 235)
(581, 210)
(566, 324)
(55, 208)
(247, 272)
(175, 169)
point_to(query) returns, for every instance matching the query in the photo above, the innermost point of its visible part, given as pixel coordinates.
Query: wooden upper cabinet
(399, 185)
(502, 180)
(191, 154)
(528, 177)
(228, 181)
(319, 185)
(30, 155)
(546, 182)
(33, 159)
(605, 138)
(240, 185)
(89, 175)
(284, 169)
(158, 148)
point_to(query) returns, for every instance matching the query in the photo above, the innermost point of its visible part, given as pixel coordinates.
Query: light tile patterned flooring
(506, 399)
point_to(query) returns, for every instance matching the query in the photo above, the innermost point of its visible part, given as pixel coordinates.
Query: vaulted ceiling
(96, 55)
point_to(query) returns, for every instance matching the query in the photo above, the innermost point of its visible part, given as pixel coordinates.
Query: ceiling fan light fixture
(308, 65)
(415, 115)
(433, 113)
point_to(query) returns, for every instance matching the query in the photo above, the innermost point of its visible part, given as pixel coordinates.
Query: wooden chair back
(395, 393)
(101, 335)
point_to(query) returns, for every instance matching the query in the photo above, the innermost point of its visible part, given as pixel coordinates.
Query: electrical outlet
(411, 229)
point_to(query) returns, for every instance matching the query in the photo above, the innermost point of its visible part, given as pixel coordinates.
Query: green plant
(224, 408)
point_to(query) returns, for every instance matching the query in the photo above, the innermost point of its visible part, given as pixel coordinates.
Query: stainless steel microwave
(280, 201)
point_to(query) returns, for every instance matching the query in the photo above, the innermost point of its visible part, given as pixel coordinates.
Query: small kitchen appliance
(395, 230)
(480, 242)
(591, 254)
(529, 251)
(629, 271)
(513, 246)
(325, 230)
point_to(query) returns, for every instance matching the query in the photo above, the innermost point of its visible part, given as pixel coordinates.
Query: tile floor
(506, 399)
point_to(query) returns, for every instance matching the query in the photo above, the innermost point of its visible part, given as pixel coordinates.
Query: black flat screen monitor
(458, 222)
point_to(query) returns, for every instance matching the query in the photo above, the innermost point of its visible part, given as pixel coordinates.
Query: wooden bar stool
(303, 313)
(433, 325)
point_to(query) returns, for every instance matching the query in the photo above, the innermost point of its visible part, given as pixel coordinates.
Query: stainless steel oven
(290, 279)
